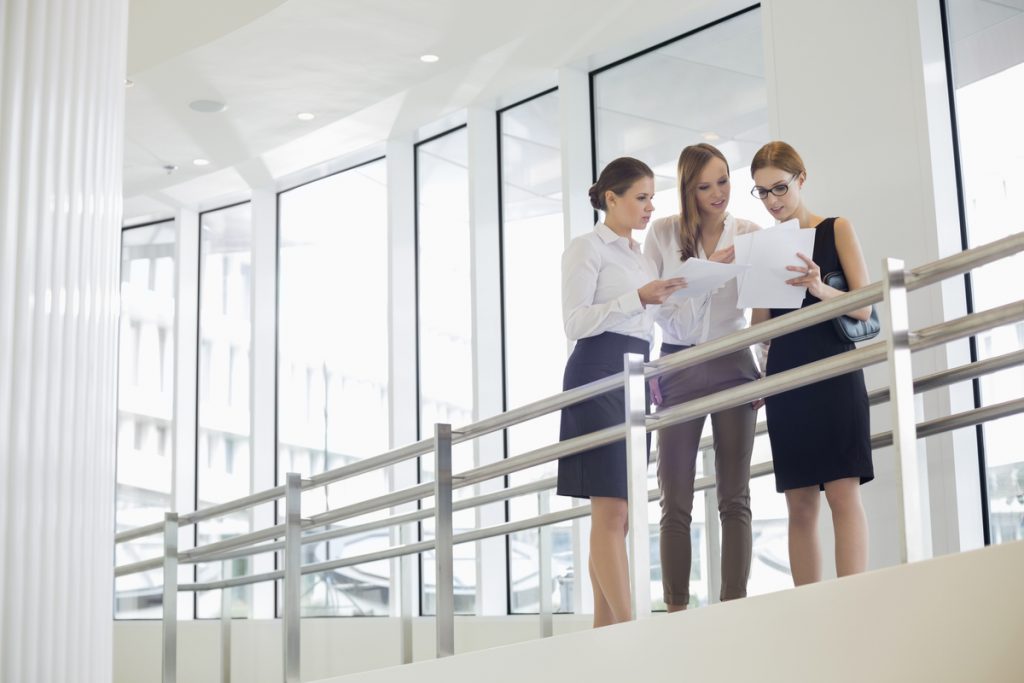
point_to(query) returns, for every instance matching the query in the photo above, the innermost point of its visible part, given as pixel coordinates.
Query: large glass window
(145, 401)
(989, 87)
(535, 345)
(705, 87)
(445, 332)
(223, 460)
(332, 401)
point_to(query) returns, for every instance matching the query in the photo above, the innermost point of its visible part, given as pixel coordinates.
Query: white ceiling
(355, 64)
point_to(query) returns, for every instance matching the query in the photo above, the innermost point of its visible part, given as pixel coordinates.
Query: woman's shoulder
(666, 224)
(583, 246)
(665, 229)
(841, 225)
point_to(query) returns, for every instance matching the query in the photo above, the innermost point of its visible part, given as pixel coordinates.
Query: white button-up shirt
(699, 319)
(601, 273)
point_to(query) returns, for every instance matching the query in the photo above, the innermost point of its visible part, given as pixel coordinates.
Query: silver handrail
(900, 341)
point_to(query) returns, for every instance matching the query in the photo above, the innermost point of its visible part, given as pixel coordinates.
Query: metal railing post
(915, 530)
(292, 588)
(544, 606)
(170, 606)
(636, 476)
(225, 626)
(444, 582)
(406, 588)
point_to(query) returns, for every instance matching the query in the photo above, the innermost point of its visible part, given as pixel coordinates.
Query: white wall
(951, 619)
(330, 647)
(859, 89)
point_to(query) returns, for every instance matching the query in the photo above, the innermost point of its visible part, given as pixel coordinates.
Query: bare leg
(602, 612)
(851, 525)
(609, 568)
(804, 553)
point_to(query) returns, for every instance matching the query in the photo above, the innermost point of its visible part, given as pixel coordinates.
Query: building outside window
(145, 416)
(444, 305)
(332, 402)
(223, 447)
(989, 96)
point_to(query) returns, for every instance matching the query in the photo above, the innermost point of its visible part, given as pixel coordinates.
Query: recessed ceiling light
(201, 162)
(429, 59)
(207, 106)
(306, 116)
(710, 136)
(128, 82)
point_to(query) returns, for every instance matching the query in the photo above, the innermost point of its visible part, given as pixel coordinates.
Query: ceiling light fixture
(305, 116)
(710, 136)
(201, 162)
(429, 59)
(207, 106)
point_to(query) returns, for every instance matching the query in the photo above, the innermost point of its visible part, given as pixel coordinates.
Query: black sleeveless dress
(820, 432)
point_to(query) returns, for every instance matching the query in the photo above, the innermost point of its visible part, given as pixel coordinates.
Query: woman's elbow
(862, 314)
(574, 331)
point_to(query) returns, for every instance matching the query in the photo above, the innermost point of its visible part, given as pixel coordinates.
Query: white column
(578, 218)
(872, 112)
(186, 353)
(264, 380)
(402, 417)
(62, 67)
(488, 374)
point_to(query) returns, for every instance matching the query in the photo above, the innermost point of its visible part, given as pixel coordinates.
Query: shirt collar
(608, 235)
(728, 233)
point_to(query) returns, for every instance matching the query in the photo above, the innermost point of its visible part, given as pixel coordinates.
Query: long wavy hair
(692, 161)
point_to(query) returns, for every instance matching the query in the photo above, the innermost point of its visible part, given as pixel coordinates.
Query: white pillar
(578, 219)
(886, 102)
(488, 373)
(62, 66)
(402, 390)
(264, 380)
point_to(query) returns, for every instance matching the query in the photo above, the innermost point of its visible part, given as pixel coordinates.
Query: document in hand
(767, 253)
(702, 276)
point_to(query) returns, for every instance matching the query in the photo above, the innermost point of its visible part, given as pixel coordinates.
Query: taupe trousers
(677, 456)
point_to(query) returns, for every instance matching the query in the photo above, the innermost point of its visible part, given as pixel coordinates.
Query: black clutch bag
(850, 329)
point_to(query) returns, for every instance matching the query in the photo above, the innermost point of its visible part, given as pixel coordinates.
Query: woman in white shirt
(609, 290)
(703, 229)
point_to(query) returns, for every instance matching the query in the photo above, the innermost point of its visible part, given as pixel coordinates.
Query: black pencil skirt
(599, 471)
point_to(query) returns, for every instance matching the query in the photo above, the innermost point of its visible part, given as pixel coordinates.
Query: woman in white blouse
(703, 229)
(609, 292)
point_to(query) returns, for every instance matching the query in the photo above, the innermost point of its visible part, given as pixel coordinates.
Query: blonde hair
(692, 161)
(780, 155)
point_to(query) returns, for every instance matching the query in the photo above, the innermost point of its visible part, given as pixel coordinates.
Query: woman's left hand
(810, 276)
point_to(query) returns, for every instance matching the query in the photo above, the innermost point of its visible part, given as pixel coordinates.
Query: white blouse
(601, 273)
(690, 321)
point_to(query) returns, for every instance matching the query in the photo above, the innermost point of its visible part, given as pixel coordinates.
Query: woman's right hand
(656, 291)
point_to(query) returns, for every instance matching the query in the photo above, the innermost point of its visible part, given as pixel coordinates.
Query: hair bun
(595, 197)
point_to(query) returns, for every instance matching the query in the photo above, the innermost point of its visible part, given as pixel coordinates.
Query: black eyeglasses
(777, 190)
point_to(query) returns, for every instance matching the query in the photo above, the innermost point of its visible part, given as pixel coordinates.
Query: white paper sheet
(702, 276)
(767, 253)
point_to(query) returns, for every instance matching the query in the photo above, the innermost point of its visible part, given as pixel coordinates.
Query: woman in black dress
(609, 293)
(819, 433)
